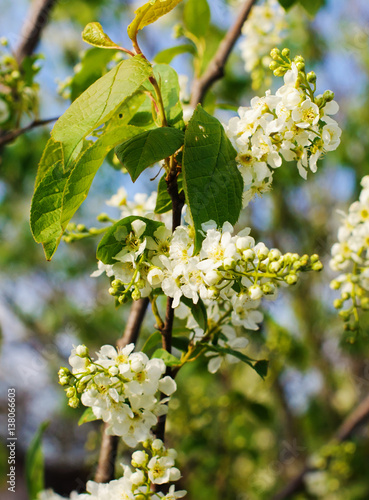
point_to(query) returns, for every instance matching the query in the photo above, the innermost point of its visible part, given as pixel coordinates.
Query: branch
(356, 418)
(215, 70)
(33, 27)
(109, 444)
(10, 136)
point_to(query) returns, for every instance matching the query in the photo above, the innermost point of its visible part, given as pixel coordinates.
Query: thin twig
(109, 444)
(10, 136)
(215, 70)
(355, 419)
(33, 27)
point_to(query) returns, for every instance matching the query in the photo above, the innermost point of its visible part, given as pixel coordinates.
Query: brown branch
(215, 70)
(33, 27)
(10, 136)
(355, 419)
(109, 444)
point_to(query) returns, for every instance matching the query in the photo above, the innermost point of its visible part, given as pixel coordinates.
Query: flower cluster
(292, 125)
(18, 91)
(350, 256)
(230, 269)
(121, 387)
(155, 465)
(262, 31)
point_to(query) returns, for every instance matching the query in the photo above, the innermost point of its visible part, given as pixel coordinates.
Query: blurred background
(238, 437)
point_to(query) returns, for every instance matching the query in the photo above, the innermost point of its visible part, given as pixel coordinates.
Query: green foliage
(94, 34)
(163, 200)
(99, 102)
(197, 17)
(167, 55)
(149, 13)
(169, 87)
(212, 182)
(145, 149)
(92, 67)
(59, 191)
(34, 464)
(87, 416)
(168, 358)
(287, 4)
(112, 243)
(198, 311)
(312, 6)
(261, 367)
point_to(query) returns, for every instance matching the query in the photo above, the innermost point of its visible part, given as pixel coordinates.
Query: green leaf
(212, 182)
(312, 6)
(169, 87)
(99, 102)
(153, 341)
(109, 246)
(94, 35)
(34, 464)
(168, 358)
(149, 13)
(197, 17)
(163, 200)
(198, 311)
(180, 343)
(261, 367)
(287, 4)
(167, 55)
(144, 150)
(61, 191)
(93, 66)
(87, 416)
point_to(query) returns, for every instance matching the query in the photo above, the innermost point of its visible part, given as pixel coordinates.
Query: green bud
(314, 258)
(299, 59)
(297, 265)
(317, 266)
(123, 299)
(136, 295)
(291, 279)
(63, 380)
(345, 296)
(103, 217)
(81, 228)
(113, 291)
(275, 53)
(300, 66)
(73, 402)
(71, 391)
(335, 285)
(328, 95)
(116, 283)
(280, 71)
(273, 65)
(337, 304)
(345, 314)
(286, 52)
(311, 77)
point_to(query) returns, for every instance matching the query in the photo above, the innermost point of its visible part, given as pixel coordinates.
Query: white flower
(306, 115)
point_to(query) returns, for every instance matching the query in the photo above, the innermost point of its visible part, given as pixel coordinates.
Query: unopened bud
(70, 392)
(300, 66)
(136, 295)
(311, 77)
(291, 279)
(273, 65)
(82, 351)
(103, 218)
(286, 52)
(73, 402)
(275, 53)
(317, 266)
(337, 304)
(81, 228)
(328, 96)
